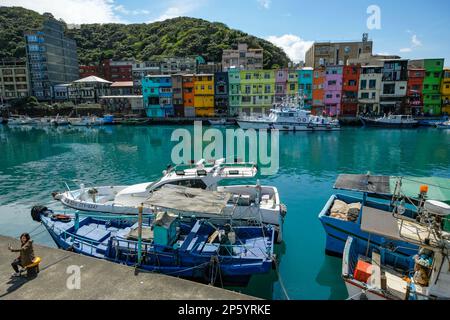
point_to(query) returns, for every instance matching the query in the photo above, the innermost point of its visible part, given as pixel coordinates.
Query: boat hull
(337, 231)
(286, 126)
(383, 124)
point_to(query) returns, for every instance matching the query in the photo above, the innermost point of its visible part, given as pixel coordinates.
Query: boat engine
(37, 211)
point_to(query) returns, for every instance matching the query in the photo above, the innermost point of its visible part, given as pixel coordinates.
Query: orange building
(188, 95)
(318, 90)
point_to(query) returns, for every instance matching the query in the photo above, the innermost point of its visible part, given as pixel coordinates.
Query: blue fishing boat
(347, 215)
(169, 244)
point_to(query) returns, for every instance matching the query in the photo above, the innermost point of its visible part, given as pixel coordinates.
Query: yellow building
(204, 95)
(445, 91)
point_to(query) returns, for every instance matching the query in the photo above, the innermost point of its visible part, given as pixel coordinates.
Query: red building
(414, 93)
(350, 86)
(114, 71)
(87, 71)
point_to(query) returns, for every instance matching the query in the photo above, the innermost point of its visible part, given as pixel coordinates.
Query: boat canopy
(183, 199)
(438, 188)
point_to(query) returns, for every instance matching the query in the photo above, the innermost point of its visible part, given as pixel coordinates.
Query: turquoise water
(35, 162)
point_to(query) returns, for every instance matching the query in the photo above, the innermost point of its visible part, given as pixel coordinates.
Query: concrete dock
(98, 280)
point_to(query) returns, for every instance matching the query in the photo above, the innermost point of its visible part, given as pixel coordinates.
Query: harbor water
(37, 161)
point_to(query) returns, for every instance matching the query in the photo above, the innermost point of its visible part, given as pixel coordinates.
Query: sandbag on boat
(344, 211)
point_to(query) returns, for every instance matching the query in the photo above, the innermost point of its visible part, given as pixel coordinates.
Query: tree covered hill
(174, 37)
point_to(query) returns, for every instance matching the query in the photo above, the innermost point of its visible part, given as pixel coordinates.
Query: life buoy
(61, 217)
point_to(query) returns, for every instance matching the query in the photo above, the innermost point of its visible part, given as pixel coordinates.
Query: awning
(183, 199)
(364, 183)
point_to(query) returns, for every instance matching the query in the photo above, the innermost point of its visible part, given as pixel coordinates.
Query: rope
(281, 281)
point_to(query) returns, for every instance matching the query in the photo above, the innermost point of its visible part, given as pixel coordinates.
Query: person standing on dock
(26, 256)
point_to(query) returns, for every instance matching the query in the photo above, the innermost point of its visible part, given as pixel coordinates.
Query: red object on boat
(362, 271)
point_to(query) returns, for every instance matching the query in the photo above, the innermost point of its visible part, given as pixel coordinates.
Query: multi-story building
(188, 95)
(414, 94)
(177, 91)
(234, 83)
(257, 91)
(350, 85)
(368, 59)
(88, 90)
(445, 91)
(370, 89)
(318, 90)
(221, 104)
(333, 90)
(394, 86)
(121, 88)
(281, 77)
(336, 53)
(89, 70)
(157, 96)
(117, 70)
(13, 80)
(243, 58)
(431, 84)
(52, 58)
(292, 83)
(305, 85)
(204, 95)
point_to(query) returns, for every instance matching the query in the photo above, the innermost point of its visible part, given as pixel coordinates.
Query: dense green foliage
(175, 37)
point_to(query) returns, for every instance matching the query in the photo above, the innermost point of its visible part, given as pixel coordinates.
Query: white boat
(60, 121)
(248, 202)
(391, 121)
(289, 116)
(376, 272)
(87, 121)
(443, 125)
(219, 122)
(20, 120)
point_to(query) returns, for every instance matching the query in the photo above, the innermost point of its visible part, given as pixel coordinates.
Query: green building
(257, 91)
(431, 84)
(234, 91)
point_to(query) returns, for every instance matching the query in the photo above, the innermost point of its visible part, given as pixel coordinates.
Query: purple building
(333, 90)
(281, 80)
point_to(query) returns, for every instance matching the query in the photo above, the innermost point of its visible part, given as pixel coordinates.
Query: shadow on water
(328, 277)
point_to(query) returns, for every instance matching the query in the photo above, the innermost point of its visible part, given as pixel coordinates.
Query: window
(266, 75)
(248, 89)
(372, 84)
(332, 83)
(437, 74)
(363, 84)
(248, 76)
(365, 95)
(267, 88)
(389, 88)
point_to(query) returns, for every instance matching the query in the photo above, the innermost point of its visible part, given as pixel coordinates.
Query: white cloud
(121, 9)
(73, 11)
(178, 8)
(265, 3)
(415, 43)
(294, 46)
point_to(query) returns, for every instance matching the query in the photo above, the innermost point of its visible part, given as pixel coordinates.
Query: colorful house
(370, 89)
(177, 90)
(204, 95)
(188, 95)
(445, 91)
(281, 78)
(414, 94)
(292, 83)
(157, 96)
(305, 85)
(431, 84)
(257, 91)
(318, 90)
(221, 87)
(333, 90)
(350, 85)
(234, 90)
(394, 86)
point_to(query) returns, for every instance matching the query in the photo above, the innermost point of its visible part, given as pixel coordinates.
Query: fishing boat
(87, 121)
(432, 122)
(200, 183)
(289, 116)
(380, 197)
(443, 125)
(377, 273)
(391, 121)
(166, 243)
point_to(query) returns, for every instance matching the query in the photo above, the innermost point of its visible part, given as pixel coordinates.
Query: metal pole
(141, 209)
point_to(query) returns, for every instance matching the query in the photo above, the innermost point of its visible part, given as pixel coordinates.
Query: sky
(409, 28)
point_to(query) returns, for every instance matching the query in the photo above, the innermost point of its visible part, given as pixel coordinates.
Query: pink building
(333, 90)
(281, 79)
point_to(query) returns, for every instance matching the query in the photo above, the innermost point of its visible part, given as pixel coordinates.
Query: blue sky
(412, 29)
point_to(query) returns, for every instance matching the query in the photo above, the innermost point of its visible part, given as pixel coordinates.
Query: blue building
(52, 58)
(158, 96)
(221, 104)
(305, 85)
